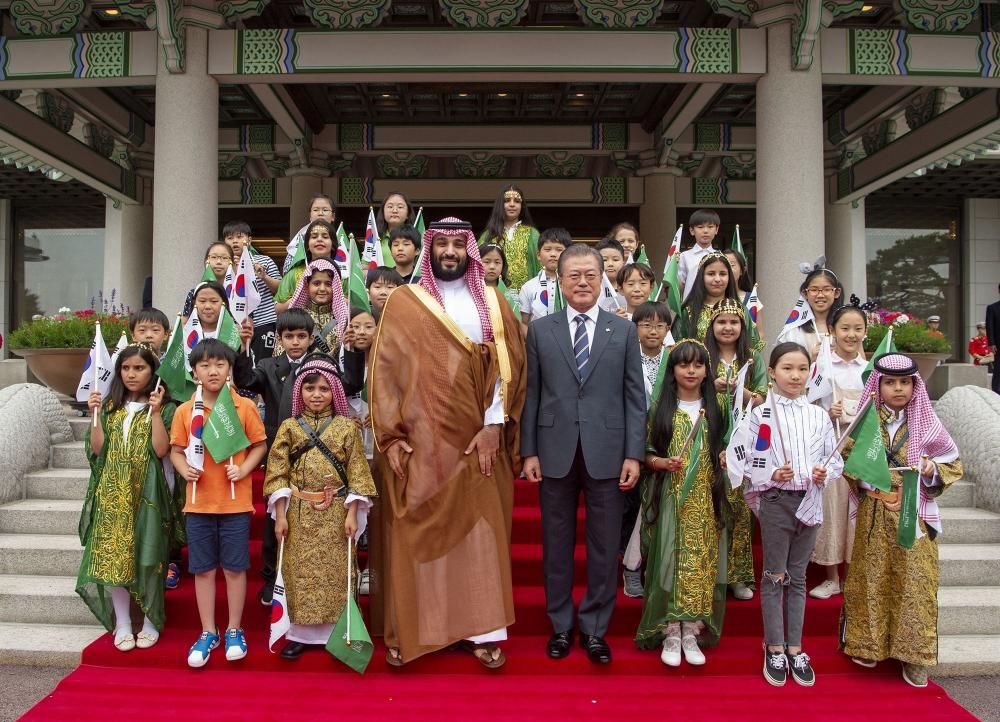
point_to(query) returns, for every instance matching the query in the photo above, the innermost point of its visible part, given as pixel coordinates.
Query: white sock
(123, 620)
(149, 628)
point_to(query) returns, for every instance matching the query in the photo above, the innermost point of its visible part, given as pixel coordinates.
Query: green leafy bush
(908, 337)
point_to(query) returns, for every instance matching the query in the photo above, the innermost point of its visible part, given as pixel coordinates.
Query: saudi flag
(299, 256)
(867, 460)
(559, 301)
(694, 451)
(736, 244)
(419, 225)
(642, 258)
(228, 332)
(173, 368)
(341, 256)
(223, 434)
(208, 275)
(357, 293)
(886, 346)
(906, 534)
(672, 253)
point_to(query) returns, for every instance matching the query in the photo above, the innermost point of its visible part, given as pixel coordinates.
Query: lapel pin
(607, 330)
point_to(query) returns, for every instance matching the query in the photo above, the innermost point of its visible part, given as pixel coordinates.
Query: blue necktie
(581, 348)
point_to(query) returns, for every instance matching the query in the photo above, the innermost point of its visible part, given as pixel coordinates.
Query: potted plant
(911, 336)
(56, 347)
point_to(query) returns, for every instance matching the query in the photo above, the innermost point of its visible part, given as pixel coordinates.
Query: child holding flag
(821, 294)
(319, 491)
(746, 287)
(219, 499)
(219, 259)
(321, 295)
(537, 297)
(321, 208)
(682, 511)
(890, 596)
(127, 506)
(794, 454)
(728, 345)
(840, 394)
(321, 241)
(263, 272)
(495, 272)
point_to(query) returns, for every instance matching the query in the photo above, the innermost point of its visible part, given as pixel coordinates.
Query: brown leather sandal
(488, 654)
(393, 657)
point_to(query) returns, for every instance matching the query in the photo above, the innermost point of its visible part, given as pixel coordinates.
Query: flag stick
(194, 492)
(350, 568)
(149, 411)
(694, 429)
(777, 424)
(96, 370)
(232, 484)
(833, 385)
(849, 429)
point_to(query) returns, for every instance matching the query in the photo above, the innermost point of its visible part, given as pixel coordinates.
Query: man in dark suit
(583, 427)
(993, 338)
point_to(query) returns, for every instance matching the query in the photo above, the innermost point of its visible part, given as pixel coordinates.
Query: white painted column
(657, 217)
(790, 195)
(185, 175)
(6, 278)
(846, 246)
(128, 250)
(981, 263)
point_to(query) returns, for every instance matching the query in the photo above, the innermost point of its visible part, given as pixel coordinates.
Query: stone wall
(31, 420)
(972, 416)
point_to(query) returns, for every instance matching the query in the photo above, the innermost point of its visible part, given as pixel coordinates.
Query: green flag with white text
(173, 368)
(907, 532)
(223, 434)
(642, 257)
(867, 460)
(229, 332)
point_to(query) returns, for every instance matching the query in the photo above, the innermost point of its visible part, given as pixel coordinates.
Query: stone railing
(972, 416)
(31, 420)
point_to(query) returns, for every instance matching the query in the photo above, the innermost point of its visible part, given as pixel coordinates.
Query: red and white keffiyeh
(338, 304)
(326, 367)
(927, 434)
(474, 274)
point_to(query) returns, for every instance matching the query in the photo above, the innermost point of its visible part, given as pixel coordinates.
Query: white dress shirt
(687, 268)
(591, 316)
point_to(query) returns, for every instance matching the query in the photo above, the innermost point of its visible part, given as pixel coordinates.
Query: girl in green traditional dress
(321, 242)
(495, 267)
(715, 282)
(728, 345)
(682, 502)
(511, 227)
(127, 520)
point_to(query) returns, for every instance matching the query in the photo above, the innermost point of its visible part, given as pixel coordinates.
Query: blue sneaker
(236, 644)
(200, 650)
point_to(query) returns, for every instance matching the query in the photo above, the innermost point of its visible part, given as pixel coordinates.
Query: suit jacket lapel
(561, 334)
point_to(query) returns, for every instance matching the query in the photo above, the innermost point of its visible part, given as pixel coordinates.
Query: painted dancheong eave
(86, 59)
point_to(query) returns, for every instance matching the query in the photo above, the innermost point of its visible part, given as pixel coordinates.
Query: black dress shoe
(598, 650)
(293, 650)
(559, 644)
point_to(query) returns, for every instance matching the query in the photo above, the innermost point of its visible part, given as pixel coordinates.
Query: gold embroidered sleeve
(359, 476)
(948, 473)
(278, 466)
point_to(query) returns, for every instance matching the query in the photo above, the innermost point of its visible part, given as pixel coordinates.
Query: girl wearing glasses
(395, 212)
(824, 294)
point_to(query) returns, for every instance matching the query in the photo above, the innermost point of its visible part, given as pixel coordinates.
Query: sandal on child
(393, 658)
(125, 642)
(488, 654)
(146, 639)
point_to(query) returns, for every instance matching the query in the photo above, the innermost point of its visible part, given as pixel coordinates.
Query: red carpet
(452, 685)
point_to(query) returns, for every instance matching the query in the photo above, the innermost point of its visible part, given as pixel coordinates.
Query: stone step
(79, 425)
(969, 610)
(962, 655)
(51, 645)
(36, 599)
(971, 526)
(960, 493)
(45, 554)
(69, 456)
(40, 516)
(57, 484)
(965, 564)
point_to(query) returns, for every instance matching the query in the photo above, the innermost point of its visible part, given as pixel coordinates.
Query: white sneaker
(692, 653)
(741, 591)
(671, 654)
(363, 584)
(825, 590)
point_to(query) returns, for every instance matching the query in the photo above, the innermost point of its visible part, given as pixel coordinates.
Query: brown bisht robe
(445, 559)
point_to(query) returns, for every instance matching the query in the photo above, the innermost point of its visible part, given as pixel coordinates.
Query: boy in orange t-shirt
(218, 522)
